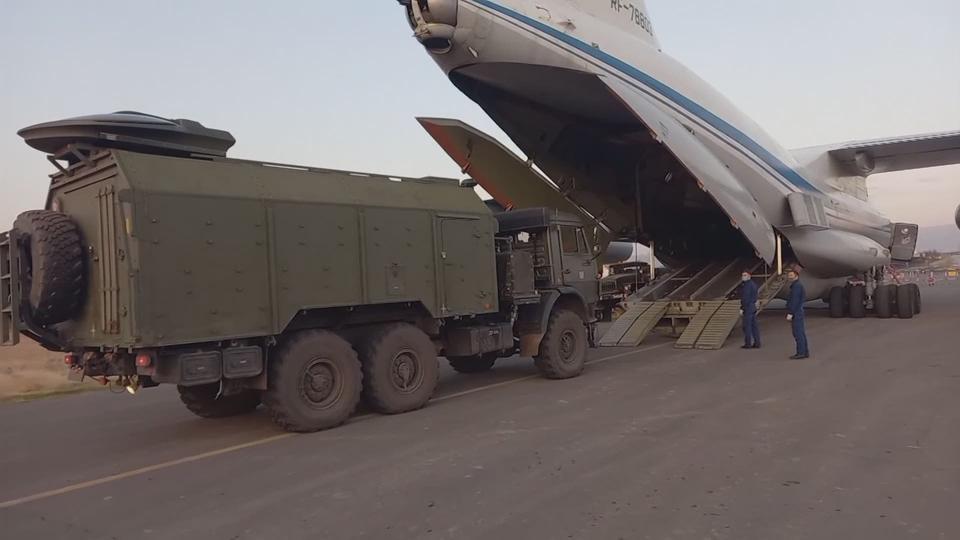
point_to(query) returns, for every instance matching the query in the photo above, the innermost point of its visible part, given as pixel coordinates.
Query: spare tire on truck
(52, 267)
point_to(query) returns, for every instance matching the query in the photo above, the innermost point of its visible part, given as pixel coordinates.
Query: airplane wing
(864, 158)
(506, 177)
(714, 176)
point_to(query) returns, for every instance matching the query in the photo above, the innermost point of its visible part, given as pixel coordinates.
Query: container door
(469, 266)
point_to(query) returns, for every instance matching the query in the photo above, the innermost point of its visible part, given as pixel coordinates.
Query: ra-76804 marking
(636, 15)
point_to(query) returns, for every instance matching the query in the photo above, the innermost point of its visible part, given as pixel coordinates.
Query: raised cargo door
(510, 180)
(468, 265)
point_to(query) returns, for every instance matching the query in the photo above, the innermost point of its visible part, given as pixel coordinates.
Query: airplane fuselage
(543, 71)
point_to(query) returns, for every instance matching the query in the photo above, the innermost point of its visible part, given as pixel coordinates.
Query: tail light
(144, 360)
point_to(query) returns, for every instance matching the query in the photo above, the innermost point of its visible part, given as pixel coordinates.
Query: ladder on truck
(9, 278)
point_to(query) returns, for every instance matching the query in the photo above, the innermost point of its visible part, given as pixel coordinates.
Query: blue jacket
(749, 293)
(798, 296)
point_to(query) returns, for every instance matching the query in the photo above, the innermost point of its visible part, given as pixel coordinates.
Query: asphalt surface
(861, 441)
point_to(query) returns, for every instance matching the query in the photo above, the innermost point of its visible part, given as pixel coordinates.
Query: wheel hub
(568, 346)
(404, 371)
(321, 383)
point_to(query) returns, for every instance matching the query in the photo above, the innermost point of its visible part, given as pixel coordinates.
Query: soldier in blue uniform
(749, 306)
(795, 314)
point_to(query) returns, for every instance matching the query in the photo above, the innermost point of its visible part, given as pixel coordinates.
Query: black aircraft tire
(836, 302)
(905, 302)
(400, 368)
(563, 350)
(858, 298)
(473, 364)
(313, 381)
(54, 269)
(205, 402)
(883, 300)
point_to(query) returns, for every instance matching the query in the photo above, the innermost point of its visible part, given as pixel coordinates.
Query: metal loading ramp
(703, 294)
(635, 325)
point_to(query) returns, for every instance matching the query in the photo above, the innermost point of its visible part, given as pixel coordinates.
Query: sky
(338, 84)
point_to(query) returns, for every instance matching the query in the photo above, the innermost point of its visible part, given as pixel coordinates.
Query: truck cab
(561, 256)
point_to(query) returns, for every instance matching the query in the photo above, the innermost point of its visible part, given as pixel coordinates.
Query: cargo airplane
(645, 150)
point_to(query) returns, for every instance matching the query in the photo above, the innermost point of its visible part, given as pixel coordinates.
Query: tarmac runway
(861, 441)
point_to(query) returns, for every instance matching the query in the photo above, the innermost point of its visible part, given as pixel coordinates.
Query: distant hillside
(941, 238)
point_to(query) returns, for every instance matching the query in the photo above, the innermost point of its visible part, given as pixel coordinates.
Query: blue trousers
(800, 335)
(751, 329)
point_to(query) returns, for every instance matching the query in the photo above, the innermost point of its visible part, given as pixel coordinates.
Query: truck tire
(473, 364)
(205, 401)
(836, 301)
(313, 381)
(53, 273)
(917, 298)
(563, 350)
(883, 300)
(905, 302)
(858, 299)
(400, 368)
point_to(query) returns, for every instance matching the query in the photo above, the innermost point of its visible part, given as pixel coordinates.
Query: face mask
(744, 278)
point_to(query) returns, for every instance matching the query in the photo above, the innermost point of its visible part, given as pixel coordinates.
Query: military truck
(158, 260)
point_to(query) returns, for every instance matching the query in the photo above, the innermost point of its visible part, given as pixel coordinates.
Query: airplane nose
(434, 22)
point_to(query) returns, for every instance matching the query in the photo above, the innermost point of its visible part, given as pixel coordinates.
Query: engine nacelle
(832, 253)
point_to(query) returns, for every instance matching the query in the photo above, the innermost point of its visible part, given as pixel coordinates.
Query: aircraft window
(569, 239)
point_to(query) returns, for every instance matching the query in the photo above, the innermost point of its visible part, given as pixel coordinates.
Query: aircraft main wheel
(473, 364)
(905, 302)
(563, 350)
(858, 301)
(399, 367)
(313, 381)
(883, 300)
(836, 301)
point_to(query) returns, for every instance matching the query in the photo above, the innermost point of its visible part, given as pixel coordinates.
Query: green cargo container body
(184, 251)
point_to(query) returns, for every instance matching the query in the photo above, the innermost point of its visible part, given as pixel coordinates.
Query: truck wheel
(883, 300)
(917, 298)
(53, 274)
(563, 351)
(399, 368)
(313, 382)
(473, 364)
(905, 301)
(205, 401)
(837, 308)
(858, 299)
